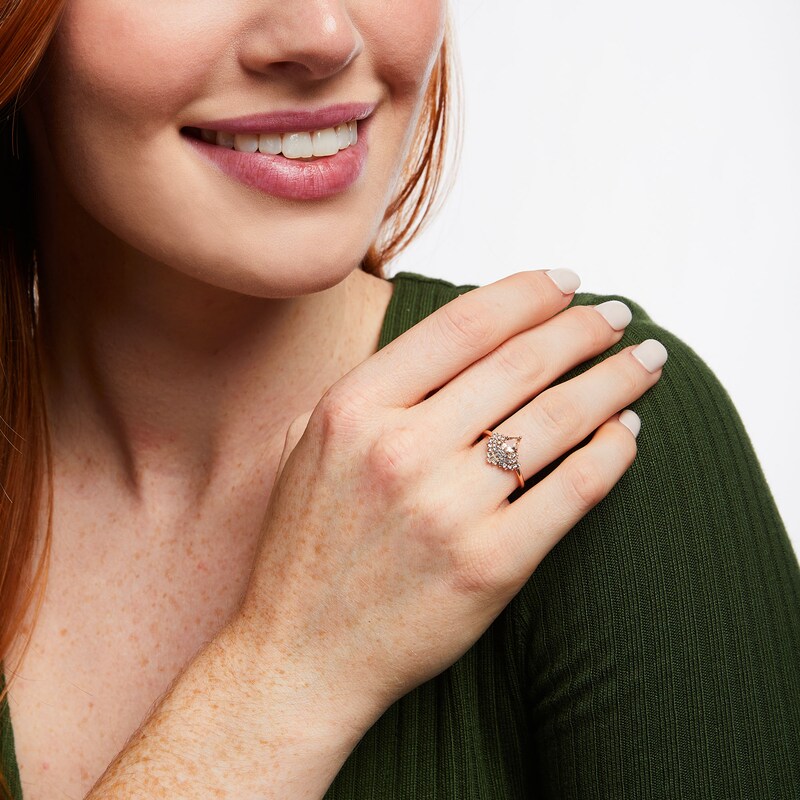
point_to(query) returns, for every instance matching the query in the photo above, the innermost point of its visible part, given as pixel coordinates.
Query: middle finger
(493, 387)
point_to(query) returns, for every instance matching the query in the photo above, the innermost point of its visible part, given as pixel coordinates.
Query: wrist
(318, 703)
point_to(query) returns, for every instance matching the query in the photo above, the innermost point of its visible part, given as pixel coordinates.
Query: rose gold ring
(502, 452)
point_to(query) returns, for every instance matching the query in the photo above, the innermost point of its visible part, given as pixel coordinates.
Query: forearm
(238, 722)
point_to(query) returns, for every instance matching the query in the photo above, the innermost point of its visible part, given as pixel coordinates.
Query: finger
(437, 348)
(489, 390)
(526, 530)
(564, 415)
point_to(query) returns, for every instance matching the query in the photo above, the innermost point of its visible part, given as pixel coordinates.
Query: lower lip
(290, 178)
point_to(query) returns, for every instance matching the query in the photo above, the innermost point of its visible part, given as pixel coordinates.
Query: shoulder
(691, 430)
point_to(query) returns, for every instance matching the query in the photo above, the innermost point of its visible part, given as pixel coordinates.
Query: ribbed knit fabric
(654, 653)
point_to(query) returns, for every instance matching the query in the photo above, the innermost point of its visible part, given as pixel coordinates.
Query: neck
(167, 382)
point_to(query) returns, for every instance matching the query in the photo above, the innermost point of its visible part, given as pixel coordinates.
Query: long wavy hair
(26, 28)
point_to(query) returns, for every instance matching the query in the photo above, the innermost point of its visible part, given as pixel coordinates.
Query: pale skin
(231, 454)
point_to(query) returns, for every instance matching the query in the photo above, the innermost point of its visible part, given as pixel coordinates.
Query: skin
(187, 320)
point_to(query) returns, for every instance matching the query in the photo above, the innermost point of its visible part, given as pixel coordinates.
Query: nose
(301, 38)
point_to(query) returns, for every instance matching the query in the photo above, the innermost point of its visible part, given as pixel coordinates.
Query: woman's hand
(389, 545)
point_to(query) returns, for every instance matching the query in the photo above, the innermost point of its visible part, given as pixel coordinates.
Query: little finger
(525, 531)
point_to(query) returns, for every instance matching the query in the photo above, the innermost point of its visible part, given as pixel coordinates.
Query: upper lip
(291, 120)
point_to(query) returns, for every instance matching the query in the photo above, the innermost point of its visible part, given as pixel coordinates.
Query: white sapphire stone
(501, 451)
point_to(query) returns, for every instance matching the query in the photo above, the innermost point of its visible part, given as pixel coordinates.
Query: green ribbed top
(654, 653)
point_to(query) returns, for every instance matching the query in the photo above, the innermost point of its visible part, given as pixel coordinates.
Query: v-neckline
(8, 758)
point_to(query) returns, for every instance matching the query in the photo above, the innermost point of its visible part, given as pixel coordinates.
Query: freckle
(84, 774)
(63, 632)
(91, 704)
(144, 662)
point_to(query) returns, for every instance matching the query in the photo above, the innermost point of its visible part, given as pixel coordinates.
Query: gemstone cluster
(501, 451)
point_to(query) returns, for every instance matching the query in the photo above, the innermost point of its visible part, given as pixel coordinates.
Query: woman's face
(126, 80)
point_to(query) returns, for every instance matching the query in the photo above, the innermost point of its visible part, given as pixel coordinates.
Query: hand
(389, 545)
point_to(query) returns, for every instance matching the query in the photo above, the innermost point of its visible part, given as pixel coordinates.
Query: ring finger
(564, 415)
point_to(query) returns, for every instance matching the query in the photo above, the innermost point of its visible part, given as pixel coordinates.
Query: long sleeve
(662, 634)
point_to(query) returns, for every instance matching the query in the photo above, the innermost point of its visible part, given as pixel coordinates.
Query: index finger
(447, 341)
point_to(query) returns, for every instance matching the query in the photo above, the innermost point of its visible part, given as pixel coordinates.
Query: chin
(268, 274)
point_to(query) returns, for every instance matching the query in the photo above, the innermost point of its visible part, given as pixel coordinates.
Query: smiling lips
(321, 159)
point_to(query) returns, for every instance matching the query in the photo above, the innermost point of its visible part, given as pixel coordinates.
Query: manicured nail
(616, 313)
(651, 354)
(566, 280)
(630, 419)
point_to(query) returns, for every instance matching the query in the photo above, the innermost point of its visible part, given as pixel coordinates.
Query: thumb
(294, 432)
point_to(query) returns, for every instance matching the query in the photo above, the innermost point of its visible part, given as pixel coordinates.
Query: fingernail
(630, 419)
(616, 313)
(651, 354)
(566, 280)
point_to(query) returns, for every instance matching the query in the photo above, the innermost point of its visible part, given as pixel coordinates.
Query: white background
(654, 148)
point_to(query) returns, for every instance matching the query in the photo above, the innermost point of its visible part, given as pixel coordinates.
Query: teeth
(269, 143)
(302, 144)
(343, 135)
(325, 142)
(297, 145)
(245, 142)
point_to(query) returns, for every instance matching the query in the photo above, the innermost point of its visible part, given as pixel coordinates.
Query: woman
(292, 552)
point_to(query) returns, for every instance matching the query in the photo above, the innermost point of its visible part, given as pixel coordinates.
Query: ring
(499, 451)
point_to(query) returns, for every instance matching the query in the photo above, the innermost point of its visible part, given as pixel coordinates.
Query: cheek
(404, 40)
(116, 62)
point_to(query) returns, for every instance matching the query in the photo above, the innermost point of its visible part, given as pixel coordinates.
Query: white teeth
(297, 145)
(301, 144)
(325, 142)
(343, 135)
(269, 143)
(245, 142)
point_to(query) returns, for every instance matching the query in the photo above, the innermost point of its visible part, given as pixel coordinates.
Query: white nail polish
(616, 313)
(566, 280)
(651, 354)
(630, 419)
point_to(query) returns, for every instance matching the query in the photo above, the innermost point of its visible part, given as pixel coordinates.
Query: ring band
(502, 453)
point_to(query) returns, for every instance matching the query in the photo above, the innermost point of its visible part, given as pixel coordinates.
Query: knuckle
(519, 362)
(585, 484)
(392, 458)
(558, 415)
(339, 412)
(465, 325)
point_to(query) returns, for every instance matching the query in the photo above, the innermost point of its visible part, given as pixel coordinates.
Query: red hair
(26, 28)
